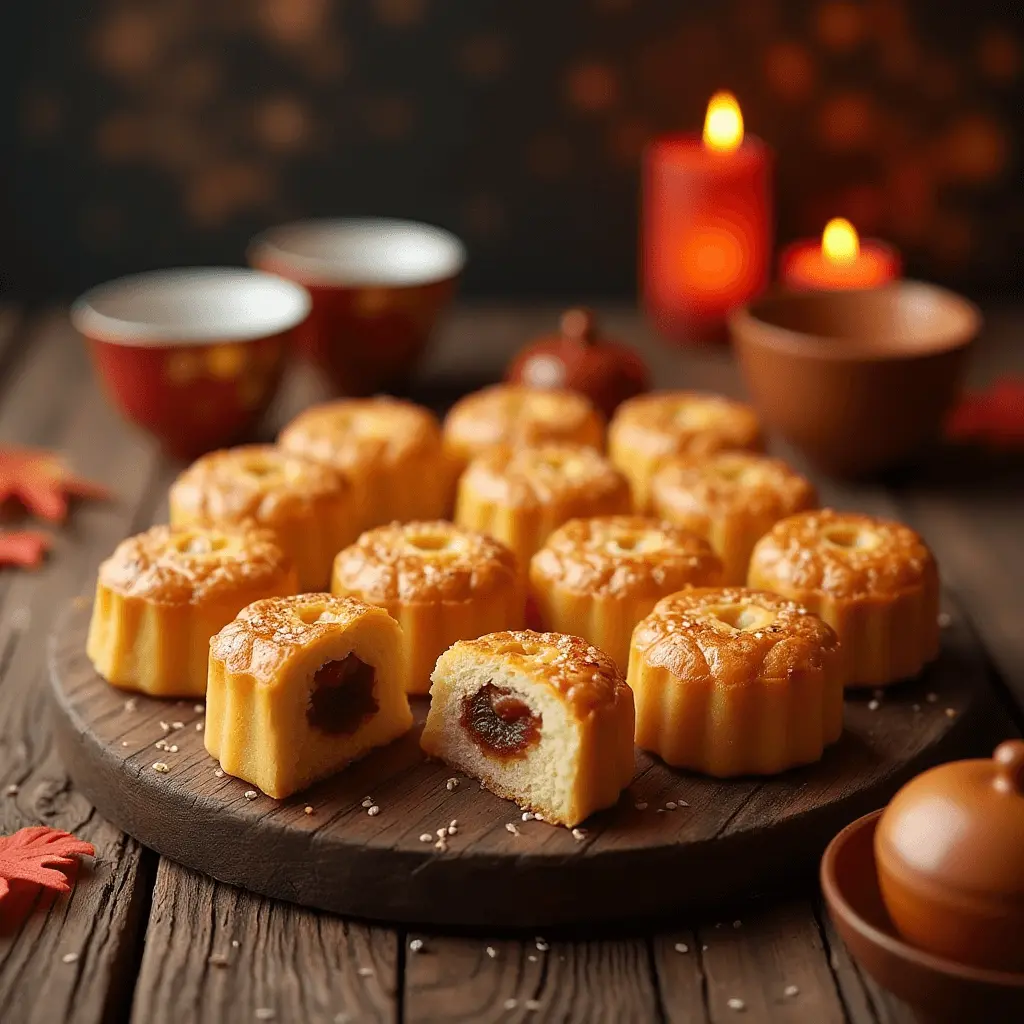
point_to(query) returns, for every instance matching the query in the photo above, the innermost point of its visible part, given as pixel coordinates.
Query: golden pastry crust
(441, 583)
(520, 495)
(873, 580)
(381, 444)
(649, 429)
(597, 578)
(162, 594)
(732, 499)
(513, 416)
(308, 506)
(732, 681)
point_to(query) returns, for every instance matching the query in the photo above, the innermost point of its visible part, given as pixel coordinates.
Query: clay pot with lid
(949, 851)
(581, 359)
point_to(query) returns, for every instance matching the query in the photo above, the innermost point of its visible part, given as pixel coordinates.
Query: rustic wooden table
(154, 942)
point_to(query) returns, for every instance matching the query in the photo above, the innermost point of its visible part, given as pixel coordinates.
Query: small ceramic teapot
(580, 359)
(949, 850)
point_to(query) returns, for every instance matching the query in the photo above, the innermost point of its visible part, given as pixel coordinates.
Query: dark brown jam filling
(500, 724)
(342, 697)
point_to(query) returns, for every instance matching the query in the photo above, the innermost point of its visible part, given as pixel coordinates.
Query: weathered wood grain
(98, 926)
(215, 953)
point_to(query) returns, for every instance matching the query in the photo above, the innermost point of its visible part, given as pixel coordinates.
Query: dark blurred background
(145, 133)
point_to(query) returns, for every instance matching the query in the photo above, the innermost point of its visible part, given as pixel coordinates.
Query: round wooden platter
(722, 840)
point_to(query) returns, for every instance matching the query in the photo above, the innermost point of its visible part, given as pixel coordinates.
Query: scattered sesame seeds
(250, 794)
(177, 725)
(235, 943)
(416, 946)
(365, 972)
(453, 830)
(442, 832)
(11, 790)
(951, 712)
(790, 990)
(641, 805)
(199, 708)
(579, 834)
(873, 705)
(542, 944)
(125, 743)
(367, 801)
(671, 805)
(932, 698)
(451, 783)
(511, 1004)
(491, 952)
(453, 823)
(219, 773)
(373, 810)
(441, 844)
(527, 815)
(510, 827)
(265, 1013)
(682, 803)
(682, 947)
(200, 726)
(307, 809)
(173, 749)
(69, 958)
(218, 959)
(131, 704)
(532, 958)
(159, 766)
(426, 838)
(660, 810)
(736, 1004)
(165, 727)
(532, 1004)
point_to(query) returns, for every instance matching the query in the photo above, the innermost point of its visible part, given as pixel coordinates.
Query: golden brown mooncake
(390, 450)
(162, 594)
(874, 581)
(300, 687)
(309, 507)
(650, 429)
(597, 578)
(539, 718)
(729, 681)
(732, 499)
(520, 495)
(513, 416)
(441, 582)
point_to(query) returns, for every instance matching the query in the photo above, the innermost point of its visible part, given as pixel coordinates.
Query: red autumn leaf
(33, 854)
(41, 482)
(23, 548)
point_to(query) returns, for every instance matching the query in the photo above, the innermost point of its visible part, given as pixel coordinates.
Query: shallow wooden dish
(728, 840)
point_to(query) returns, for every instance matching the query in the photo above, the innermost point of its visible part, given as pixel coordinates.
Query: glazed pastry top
(730, 482)
(844, 554)
(266, 632)
(354, 433)
(528, 477)
(578, 673)
(507, 414)
(733, 636)
(179, 565)
(258, 481)
(626, 555)
(684, 422)
(424, 561)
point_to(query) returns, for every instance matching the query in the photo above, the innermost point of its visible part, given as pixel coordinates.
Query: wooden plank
(573, 982)
(215, 953)
(100, 921)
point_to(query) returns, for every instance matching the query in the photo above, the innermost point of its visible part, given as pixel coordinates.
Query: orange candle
(839, 261)
(706, 223)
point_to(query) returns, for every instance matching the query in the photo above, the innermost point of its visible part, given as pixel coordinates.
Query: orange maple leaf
(41, 482)
(32, 854)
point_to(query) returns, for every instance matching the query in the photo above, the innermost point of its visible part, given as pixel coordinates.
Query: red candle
(839, 261)
(707, 224)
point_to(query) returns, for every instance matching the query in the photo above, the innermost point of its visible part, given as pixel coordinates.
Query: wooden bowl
(940, 991)
(859, 381)
(192, 356)
(378, 288)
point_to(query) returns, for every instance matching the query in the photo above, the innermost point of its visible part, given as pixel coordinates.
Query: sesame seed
(373, 811)
(416, 946)
(527, 816)
(510, 1004)
(932, 698)
(510, 827)
(125, 743)
(199, 708)
(173, 748)
(69, 958)
(218, 959)
(951, 712)
(165, 727)
(682, 803)
(307, 809)
(453, 823)
(790, 990)
(641, 806)
(441, 845)
(159, 766)
(660, 810)
(365, 972)
(736, 1004)
(873, 705)
(235, 943)
(579, 834)
(265, 1013)
(426, 838)
(532, 958)
(670, 806)
(131, 704)
(367, 801)
(682, 947)
(542, 945)
(219, 773)
(250, 794)
(452, 830)
(532, 1004)
(177, 725)
(704, 948)
(11, 790)
(200, 726)
(491, 952)
(450, 784)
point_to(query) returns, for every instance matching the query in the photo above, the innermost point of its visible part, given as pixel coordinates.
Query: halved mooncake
(300, 687)
(543, 719)
(162, 594)
(441, 583)
(735, 682)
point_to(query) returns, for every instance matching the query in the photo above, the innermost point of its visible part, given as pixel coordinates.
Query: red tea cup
(192, 356)
(378, 288)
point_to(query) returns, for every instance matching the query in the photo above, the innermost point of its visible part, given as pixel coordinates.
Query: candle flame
(839, 242)
(723, 126)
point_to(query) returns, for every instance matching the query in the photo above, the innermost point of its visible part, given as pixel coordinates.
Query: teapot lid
(961, 825)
